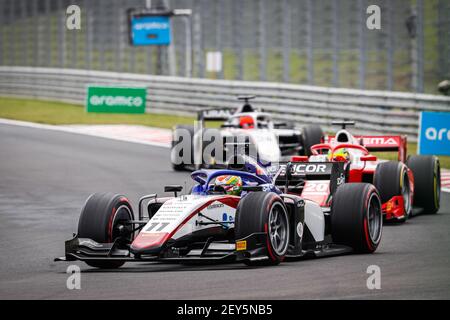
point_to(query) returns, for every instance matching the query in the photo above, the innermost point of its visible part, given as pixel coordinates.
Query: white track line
(156, 136)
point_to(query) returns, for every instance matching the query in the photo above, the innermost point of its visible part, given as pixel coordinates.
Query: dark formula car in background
(262, 225)
(271, 139)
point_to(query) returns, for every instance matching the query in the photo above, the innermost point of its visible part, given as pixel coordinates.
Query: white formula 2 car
(196, 147)
(247, 219)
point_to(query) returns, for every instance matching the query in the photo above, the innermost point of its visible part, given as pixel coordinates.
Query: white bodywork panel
(265, 140)
(315, 220)
(173, 212)
(266, 143)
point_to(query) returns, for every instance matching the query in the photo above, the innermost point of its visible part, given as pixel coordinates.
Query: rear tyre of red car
(263, 212)
(356, 217)
(103, 220)
(311, 135)
(427, 182)
(391, 179)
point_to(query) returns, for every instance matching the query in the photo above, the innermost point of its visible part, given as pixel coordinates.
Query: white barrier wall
(374, 111)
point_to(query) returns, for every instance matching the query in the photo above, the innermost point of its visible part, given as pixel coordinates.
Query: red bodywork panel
(382, 143)
(394, 208)
(319, 191)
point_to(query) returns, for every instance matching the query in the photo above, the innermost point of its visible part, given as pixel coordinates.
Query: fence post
(61, 11)
(335, 30)
(118, 31)
(362, 43)
(420, 45)
(2, 28)
(47, 30)
(74, 55)
(237, 9)
(390, 45)
(89, 33)
(171, 61)
(262, 47)
(286, 39)
(219, 29)
(24, 36)
(11, 44)
(198, 41)
(309, 41)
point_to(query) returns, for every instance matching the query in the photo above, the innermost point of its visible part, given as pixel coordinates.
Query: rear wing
(299, 172)
(382, 144)
(219, 114)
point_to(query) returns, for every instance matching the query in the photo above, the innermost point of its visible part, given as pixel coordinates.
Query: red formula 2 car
(412, 181)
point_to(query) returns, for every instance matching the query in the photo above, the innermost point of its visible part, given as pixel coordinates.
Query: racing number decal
(153, 225)
(316, 187)
(316, 191)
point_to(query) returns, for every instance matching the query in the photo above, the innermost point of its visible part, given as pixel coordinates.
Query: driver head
(232, 185)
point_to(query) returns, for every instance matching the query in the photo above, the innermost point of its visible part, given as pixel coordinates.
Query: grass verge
(63, 113)
(412, 149)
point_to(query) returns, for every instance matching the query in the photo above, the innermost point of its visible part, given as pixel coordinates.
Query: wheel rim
(122, 214)
(374, 218)
(406, 194)
(278, 229)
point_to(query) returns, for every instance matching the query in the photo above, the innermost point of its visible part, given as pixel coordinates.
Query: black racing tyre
(311, 135)
(264, 212)
(356, 217)
(176, 155)
(391, 179)
(100, 220)
(427, 182)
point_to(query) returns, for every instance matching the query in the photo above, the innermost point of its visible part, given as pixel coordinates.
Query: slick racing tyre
(391, 179)
(427, 182)
(176, 151)
(102, 220)
(263, 212)
(311, 135)
(356, 217)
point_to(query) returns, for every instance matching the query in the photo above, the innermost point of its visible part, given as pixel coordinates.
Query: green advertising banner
(115, 99)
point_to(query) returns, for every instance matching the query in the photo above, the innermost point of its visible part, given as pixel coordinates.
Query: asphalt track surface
(45, 177)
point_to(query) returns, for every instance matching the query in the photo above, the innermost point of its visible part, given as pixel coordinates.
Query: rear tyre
(427, 182)
(391, 179)
(102, 220)
(311, 135)
(176, 153)
(264, 212)
(356, 217)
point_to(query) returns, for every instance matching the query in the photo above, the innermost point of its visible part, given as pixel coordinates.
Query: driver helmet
(246, 122)
(231, 184)
(339, 155)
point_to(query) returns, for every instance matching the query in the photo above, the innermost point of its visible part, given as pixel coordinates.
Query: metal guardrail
(373, 111)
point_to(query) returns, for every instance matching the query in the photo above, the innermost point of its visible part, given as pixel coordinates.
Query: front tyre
(103, 219)
(391, 179)
(263, 212)
(311, 135)
(356, 217)
(427, 182)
